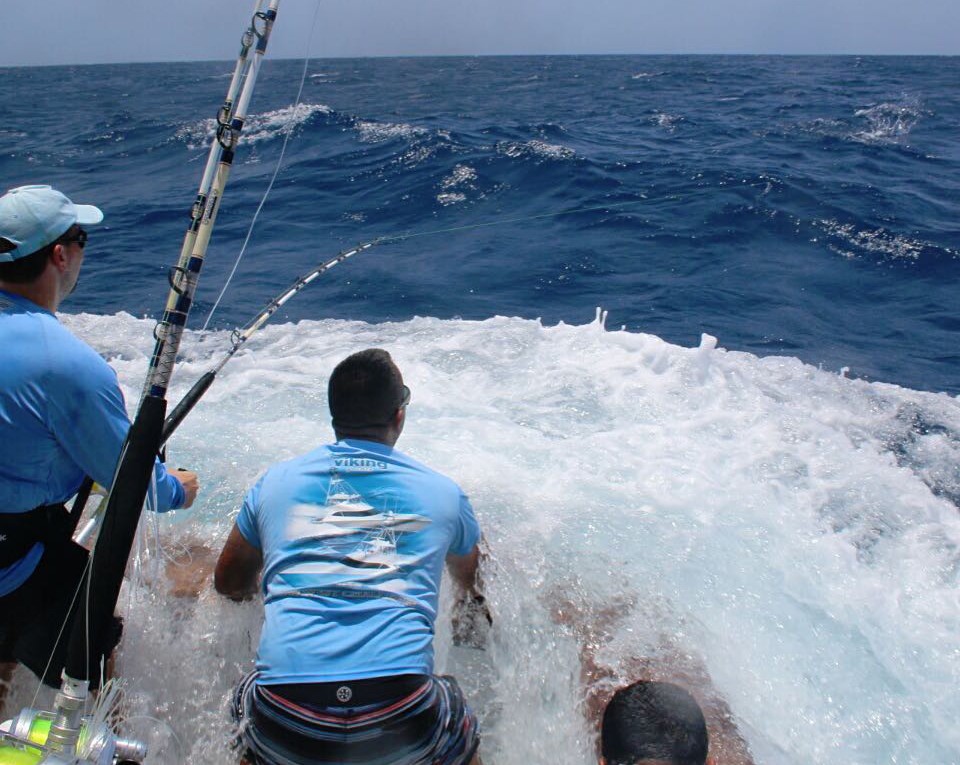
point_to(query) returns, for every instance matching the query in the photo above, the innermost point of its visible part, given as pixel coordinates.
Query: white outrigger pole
(67, 735)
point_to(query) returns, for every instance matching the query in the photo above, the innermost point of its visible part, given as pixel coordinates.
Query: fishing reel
(27, 740)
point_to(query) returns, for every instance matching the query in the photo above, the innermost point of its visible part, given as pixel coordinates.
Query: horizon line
(493, 55)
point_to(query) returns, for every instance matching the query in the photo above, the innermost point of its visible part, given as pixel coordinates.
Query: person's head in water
(651, 723)
(367, 397)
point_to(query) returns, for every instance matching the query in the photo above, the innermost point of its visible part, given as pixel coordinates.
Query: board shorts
(36, 618)
(404, 720)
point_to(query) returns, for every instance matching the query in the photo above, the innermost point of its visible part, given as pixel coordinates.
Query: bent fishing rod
(102, 581)
(240, 336)
(193, 396)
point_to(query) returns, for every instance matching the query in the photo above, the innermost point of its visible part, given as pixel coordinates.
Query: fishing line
(524, 219)
(276, 171)
(63, 629)
(503, 221)
(240, 336)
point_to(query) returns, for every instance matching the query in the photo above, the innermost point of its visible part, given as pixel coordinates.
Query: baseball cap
(31, 217)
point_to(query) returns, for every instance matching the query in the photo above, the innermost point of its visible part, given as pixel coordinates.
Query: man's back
(354, 536)
(351, 540)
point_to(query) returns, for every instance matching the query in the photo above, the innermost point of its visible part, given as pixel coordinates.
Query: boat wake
(795, 530)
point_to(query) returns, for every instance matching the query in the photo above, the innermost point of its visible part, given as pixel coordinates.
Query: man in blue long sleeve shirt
(62, 417)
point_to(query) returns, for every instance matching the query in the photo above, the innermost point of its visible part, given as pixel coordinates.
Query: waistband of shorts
(347, 713)
(431, 726)
(346, 693)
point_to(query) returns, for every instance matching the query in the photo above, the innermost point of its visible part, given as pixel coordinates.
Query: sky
(42, 32)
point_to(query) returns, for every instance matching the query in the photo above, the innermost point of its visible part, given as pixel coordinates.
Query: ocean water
(752, 449)
(794, 206)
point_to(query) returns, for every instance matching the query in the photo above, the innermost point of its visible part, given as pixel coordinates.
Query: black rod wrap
(186, 404)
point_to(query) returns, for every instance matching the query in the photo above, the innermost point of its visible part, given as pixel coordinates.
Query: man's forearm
(235, 585)
(238, 568)
(463, 569)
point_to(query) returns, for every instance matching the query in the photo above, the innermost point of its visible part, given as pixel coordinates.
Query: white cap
(31, 217)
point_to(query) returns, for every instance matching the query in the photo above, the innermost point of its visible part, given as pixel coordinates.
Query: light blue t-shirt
(354, 537)
(62, 417)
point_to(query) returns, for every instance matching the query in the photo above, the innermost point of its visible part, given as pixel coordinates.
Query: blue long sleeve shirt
(62, 416)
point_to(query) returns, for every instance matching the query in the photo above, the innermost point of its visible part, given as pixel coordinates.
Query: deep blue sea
(799, 206)
(688, 489)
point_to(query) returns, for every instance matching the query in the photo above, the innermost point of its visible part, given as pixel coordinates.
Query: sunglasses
(80, 239)
(406, 398)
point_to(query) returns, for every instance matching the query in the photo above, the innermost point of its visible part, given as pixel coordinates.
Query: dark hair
(28, 268)
(655, 721)
(365, 391)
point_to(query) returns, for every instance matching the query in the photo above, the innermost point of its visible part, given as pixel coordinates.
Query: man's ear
(58, 256)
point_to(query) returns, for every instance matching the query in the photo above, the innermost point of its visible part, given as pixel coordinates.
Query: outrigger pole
(63, 737)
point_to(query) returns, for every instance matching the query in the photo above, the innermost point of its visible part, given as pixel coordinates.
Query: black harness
(19, 532)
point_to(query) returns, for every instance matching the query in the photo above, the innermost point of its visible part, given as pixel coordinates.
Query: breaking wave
(848, 240)
(378, 132)
(535, 148)
(887, 123)
(259, 128)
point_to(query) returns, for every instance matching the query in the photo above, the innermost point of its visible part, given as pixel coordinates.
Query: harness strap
(19, 532)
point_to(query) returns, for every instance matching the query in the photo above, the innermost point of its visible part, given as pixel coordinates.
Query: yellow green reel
(15, 755)
(11, 755)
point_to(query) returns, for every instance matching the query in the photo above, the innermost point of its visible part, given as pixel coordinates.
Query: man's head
(39, 228)
(654, 724)
(367, 397)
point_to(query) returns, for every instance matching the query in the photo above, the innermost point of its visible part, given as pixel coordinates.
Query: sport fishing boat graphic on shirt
(353, 543)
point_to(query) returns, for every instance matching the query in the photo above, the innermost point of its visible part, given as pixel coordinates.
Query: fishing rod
(135, 469)
(193, 396)
(240, 336)
(93, 624)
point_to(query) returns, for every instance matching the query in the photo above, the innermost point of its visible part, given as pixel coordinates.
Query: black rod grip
(109, 559)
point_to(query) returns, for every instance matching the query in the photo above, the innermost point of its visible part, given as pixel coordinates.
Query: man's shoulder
(72, 355)
(427, 472)
(51, 344)
(300, 463)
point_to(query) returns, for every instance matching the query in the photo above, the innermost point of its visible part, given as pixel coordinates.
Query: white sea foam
(536, 148)
(461, 179)
(460, 176)
(887, 122)
(667, 121)
(258, 127)
(377, 132)
(786, 524)
(847, 240)
(415, 154)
